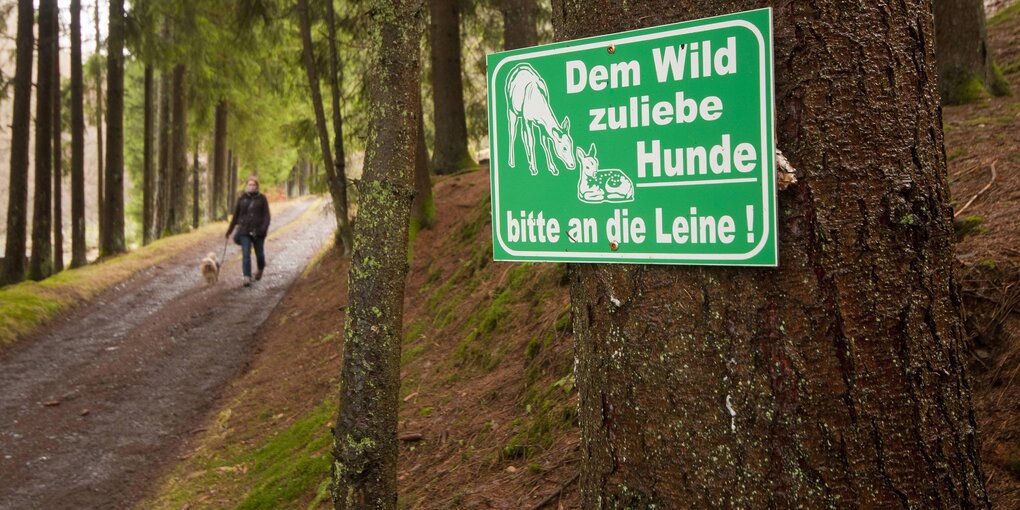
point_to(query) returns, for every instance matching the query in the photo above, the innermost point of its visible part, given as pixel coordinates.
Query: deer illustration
(595, 186)
(527, 99)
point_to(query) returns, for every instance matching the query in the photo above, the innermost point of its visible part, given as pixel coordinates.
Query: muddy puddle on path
(93, 407)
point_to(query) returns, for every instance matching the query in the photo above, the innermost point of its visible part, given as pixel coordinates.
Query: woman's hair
(254, 179)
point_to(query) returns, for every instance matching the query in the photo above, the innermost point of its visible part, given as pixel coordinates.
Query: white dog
(210, 268)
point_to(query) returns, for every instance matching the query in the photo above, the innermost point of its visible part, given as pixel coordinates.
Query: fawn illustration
(595, 186)
(528, 106)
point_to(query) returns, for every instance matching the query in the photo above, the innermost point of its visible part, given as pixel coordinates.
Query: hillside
(984, 162)
(487, 382)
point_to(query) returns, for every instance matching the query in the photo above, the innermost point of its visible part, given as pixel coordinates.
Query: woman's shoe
(247, 281)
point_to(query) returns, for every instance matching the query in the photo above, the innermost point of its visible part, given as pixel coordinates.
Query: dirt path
(92, 408)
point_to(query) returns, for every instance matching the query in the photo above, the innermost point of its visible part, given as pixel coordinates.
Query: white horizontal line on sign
(695, 183)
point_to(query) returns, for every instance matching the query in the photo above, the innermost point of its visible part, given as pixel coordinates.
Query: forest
(461, 297)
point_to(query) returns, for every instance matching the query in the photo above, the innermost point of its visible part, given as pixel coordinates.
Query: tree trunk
(100, 170)
(423, 207)
(177, 217)
(835, 380)
(17, 204)
(365, 437)
(78, 247)
(148, 178)
(966, 71)
(231, 180)
(41, 263)
(450, 153)
(165, 164)
(194, 188)
(221, 197)
(338, 179)
(233, 174)
(520, 26)
(113, 209)
(337, 190)
(58, 153)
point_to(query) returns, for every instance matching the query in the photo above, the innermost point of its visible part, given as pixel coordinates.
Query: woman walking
(251, 216)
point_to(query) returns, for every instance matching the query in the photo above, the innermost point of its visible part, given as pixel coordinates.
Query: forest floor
(98, 400)
(983, 149)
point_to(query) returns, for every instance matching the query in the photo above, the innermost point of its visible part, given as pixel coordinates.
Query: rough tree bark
(965, 65)
(337, 189)
(339, 177)
(450, 153)
(835, 380)
(220, 196)
(113, 208)
(17, 204)
(58, 153)
(78, 247)
(41, 263)
(148, 166)
(177, 212)
(365, 436)
(520, 25)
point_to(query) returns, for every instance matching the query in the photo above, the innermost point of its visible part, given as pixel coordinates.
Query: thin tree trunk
(100, 169)
(365, 436)
(423, 208)
(113, 209)
(520, 25)
(41, 263)
(337, 185)
(221, 197)
(233, 174)
(231, 180)
(966, 70)
(451, 152)
(177, 219)
(78, 247)
(149, 170)
(834, 380)
(165, 130)
(338, 180)
(194, 188)
(17, 204)
(58, 153)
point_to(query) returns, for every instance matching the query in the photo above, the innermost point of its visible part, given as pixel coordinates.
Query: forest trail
(97, 403)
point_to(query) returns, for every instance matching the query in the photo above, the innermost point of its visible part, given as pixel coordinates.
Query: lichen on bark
(365, 436)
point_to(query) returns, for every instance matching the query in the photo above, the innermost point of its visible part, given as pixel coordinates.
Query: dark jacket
(251, 214)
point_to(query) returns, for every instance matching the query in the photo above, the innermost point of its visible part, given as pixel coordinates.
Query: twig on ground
(556, 494)
(979, 193)
(960, 173)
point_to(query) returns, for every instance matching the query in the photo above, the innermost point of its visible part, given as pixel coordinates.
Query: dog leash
(223, 257)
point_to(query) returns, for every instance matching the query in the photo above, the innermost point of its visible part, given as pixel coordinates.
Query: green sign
(650, 146)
